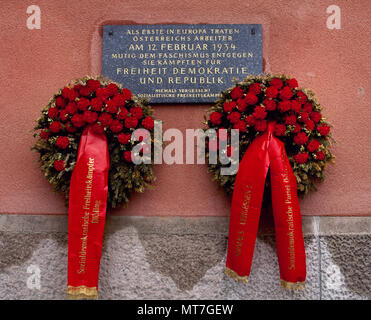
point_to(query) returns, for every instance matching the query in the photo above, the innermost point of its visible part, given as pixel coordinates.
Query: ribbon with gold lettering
(87, 212)
(266, 151)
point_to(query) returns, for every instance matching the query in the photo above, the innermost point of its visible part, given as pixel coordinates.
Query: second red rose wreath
(284, 142)
(300, 124)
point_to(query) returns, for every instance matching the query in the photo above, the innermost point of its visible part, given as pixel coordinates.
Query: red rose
(63, 115)
(233, 104)
(126, 93)
(131, 122)
(297, 128)
(136, 112)
(255, 88)
(71, 108)
(215, 118)
(292, 83)
(313, 145)
(301, 157)
(320, 155)
(124, 138)
(259, 113)
(229, 106)
(309, 125)
(86, 91)
(119, 100)
(98, 128)
(93, 84)
(276, 82)
(97, 104)
(236, 93)
(83, 104)
(116, 126)
(295, 105)
(234, 117)
(53, 113)
(240, 126)
(127, 156)
(261, 125)
(148, 123)
(301, 138)
(271, 92)
(290, 119)
(122, 114)
(286, 93)
(111, 106)
(69, 93)
(62, 142)
(77, 88)
(303, 116)
(72, 95)
(78, 120)
(323, 130)
(269, 104)
(251, 99)
(112, 89)
(316, 116)
(59, 165)
(241, 104)
(250, 120)
(102, 93)
(302, 97)
(44, 134)
(60, 102)
(105, 119)
(70, 128)
(284, 106)
(55, 127)
(308, 107)
(279, 129)
(90, 117)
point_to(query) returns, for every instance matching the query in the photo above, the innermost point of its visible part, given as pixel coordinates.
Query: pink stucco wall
(334, 63)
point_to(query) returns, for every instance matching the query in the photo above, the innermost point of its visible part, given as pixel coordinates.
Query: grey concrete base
(182, 258)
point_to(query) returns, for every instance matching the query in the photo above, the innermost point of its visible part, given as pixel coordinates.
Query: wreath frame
(124, 176)
(309, 173)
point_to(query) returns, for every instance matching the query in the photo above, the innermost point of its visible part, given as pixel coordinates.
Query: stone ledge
(189, 266)
(312, 225)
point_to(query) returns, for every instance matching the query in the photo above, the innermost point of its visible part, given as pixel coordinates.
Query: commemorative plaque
(181, 63)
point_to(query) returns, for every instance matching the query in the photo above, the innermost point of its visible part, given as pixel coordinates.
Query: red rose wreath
(85, 138)
(281, 128)
(109, 109)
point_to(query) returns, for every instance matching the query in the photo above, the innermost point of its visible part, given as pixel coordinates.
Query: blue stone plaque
(181, 63)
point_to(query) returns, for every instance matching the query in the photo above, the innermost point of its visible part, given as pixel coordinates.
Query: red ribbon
(87, 213)
(266, 151)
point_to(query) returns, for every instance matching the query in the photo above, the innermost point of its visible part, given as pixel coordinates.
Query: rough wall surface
(183, 258)
(34, 64)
